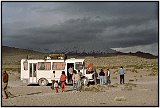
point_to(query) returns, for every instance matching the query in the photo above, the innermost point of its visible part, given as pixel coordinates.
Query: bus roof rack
(57, 56)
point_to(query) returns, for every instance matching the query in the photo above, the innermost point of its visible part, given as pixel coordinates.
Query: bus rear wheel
(43, 82)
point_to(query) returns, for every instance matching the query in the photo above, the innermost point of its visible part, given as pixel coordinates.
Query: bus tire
(42, 82)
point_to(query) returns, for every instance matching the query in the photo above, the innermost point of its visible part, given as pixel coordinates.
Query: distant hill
(139, 54)
(103, 54)
(11, 55)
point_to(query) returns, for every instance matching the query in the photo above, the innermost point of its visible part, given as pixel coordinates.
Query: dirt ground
(145, 93)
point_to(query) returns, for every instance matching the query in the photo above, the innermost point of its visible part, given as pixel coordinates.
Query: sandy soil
(144, 94)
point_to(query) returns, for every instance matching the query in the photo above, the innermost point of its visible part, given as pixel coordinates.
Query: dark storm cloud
(114, 24)
(87, 29)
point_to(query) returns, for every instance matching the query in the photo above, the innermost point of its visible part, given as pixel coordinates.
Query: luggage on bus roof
(58, 56)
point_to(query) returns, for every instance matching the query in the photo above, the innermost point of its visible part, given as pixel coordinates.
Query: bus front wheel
(43, 82)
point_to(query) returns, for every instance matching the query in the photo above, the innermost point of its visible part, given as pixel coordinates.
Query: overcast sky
(123, 26)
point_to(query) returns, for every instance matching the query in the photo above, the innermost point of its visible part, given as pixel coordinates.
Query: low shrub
(130, 84)
(115, 85)
(131, 80)
(120, 98)
(134, 70)
(94, 88)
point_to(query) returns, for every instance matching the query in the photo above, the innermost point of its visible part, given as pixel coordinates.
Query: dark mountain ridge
(6, 51)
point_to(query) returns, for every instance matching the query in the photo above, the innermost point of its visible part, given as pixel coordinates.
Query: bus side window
(58, 66)
(44, 66)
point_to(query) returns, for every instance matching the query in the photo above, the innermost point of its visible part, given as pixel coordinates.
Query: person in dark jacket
(4, 85)
(95, 75)
(102, 74)
(53, 80)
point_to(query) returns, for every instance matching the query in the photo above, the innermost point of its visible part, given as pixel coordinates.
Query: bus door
(32, 73)
(69, 65)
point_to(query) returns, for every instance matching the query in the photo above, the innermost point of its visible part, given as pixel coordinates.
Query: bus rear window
(58, 65)
(44, 66)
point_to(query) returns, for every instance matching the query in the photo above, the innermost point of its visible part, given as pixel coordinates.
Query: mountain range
(43, 52)
(75, 50)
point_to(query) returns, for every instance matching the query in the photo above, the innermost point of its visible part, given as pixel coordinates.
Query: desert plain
(140, 88)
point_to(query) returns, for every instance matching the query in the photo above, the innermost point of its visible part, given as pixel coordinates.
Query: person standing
(80, 78)
(76, 80)
(70, 70)
(108, 81)
(101, 74)
(63, 79)
(53, 79)
(4, 85)
(121, 72)
(56, 86)
(95, 75)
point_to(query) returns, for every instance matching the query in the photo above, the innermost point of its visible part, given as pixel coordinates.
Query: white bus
(40, 71)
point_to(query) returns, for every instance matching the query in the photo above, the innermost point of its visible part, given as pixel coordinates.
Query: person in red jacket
(63, 79)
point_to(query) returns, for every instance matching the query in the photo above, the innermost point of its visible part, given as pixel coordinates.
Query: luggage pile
(56, 57)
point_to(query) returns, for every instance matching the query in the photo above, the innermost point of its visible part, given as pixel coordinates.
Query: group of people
(55, 84)
(105, 76)
(75, 79)
(102, 75)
